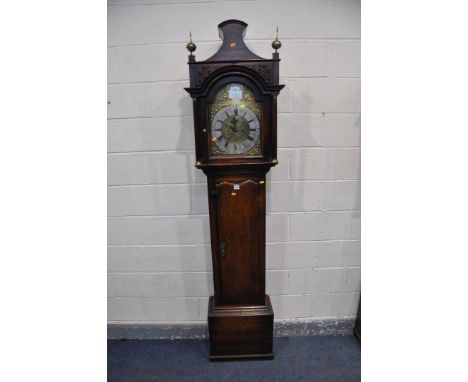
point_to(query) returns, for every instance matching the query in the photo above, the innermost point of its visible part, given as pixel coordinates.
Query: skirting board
(335, 326)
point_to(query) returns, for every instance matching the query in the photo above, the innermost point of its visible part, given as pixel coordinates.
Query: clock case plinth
(240, 331)
(240, 314)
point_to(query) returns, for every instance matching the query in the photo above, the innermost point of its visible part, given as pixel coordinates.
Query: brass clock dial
(235, 130)
(235, 124)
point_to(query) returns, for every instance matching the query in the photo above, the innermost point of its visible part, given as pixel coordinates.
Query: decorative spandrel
(235, 120)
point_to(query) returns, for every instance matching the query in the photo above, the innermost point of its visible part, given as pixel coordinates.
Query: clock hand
(235, 125)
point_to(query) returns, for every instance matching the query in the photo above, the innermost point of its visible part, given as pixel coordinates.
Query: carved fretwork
(264, 70)
(205, 70)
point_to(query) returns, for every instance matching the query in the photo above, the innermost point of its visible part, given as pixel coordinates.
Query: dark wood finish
(240, 221)
(241, 331)
(233, 48)
(240, 315)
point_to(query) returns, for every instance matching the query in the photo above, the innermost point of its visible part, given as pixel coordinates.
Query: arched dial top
(235, 122)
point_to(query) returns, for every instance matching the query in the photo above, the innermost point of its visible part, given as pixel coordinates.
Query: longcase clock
(234, 106)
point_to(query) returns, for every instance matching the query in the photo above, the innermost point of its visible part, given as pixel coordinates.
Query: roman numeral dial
(235, 129)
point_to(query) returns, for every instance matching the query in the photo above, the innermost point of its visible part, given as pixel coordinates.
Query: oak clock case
(234, 106)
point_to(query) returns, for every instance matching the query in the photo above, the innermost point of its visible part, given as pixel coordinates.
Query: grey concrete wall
(159, 265)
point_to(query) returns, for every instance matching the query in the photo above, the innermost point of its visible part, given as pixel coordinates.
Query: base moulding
(281, 328)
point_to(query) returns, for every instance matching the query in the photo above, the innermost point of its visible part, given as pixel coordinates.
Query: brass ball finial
(191, 47)
(276, 44)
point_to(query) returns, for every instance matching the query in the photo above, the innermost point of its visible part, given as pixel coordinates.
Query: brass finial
(276, 44)
(191, 47)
